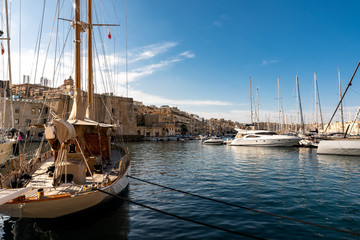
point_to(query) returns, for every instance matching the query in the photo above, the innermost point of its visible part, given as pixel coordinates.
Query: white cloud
(267, 62)
(187, 54)
(150, 99)
(150, 51)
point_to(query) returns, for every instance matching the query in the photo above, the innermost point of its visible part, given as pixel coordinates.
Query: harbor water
(292, 182)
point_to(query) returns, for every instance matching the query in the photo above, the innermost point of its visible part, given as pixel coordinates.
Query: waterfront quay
(31, 105)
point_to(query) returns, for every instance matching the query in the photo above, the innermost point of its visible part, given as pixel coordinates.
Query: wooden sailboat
(82, 160)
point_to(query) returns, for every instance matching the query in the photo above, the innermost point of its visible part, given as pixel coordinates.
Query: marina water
(292, 182)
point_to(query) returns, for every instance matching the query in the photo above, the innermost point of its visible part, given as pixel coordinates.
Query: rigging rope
(51, 33)
(246, 208)
(180, 217)
(39, 40)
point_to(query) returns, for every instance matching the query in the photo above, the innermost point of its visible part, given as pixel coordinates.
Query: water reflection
(107, 221)
(337, 159)
(260, 150)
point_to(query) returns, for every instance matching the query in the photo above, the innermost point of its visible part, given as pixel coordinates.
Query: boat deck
(41, 179)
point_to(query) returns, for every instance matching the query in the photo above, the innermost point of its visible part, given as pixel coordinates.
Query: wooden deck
(41, 179)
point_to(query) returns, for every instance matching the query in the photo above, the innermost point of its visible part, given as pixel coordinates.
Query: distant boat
(264, 138)
(228, 140)
(213, 141)
(309, 143)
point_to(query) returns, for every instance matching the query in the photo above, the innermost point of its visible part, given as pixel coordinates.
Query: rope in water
(249, 209)
(179, 217)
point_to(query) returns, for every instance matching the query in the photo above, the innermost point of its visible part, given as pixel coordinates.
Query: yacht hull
(286, 142)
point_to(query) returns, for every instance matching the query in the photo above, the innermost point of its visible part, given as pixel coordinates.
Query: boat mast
(280, 127)
(251, 102)
(257, 112)
(321, 115)
(9, 65)
(316, 102)
(77, 45)
(77, 111)
(89, 110)
(299, 102)
(341, 106)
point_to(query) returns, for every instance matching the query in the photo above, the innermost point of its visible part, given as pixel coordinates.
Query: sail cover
(64, 130)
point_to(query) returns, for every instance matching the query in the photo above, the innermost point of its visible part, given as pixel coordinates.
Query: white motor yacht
(264, 138)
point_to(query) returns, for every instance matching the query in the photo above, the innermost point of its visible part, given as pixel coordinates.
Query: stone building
(21, 114)
(32, 104)
(155, 121)
(37, 104)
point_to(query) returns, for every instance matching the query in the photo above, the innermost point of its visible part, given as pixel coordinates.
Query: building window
(16, 121)
(45, 120)
(33, 111)
(39, 110)
(17, 110)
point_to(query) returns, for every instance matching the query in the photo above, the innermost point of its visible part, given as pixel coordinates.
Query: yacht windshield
(266, 133)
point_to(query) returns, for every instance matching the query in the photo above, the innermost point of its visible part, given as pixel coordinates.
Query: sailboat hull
(5, 150)
(339, 147)
(63, 205)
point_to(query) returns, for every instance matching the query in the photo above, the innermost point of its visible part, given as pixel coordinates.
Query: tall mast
(9, 64)
(257, 112)
(279, 104)
(77, 45)
(8, 42)
(89, 110)
(299, 101)
(316, 102)
(251, 102)
(77, 111)
(319, 102)
(341, 106)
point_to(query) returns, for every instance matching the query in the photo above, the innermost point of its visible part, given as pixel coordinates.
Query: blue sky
(198, 54)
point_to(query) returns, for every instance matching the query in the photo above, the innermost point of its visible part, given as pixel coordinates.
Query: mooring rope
(249, 209)
(180, 217)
